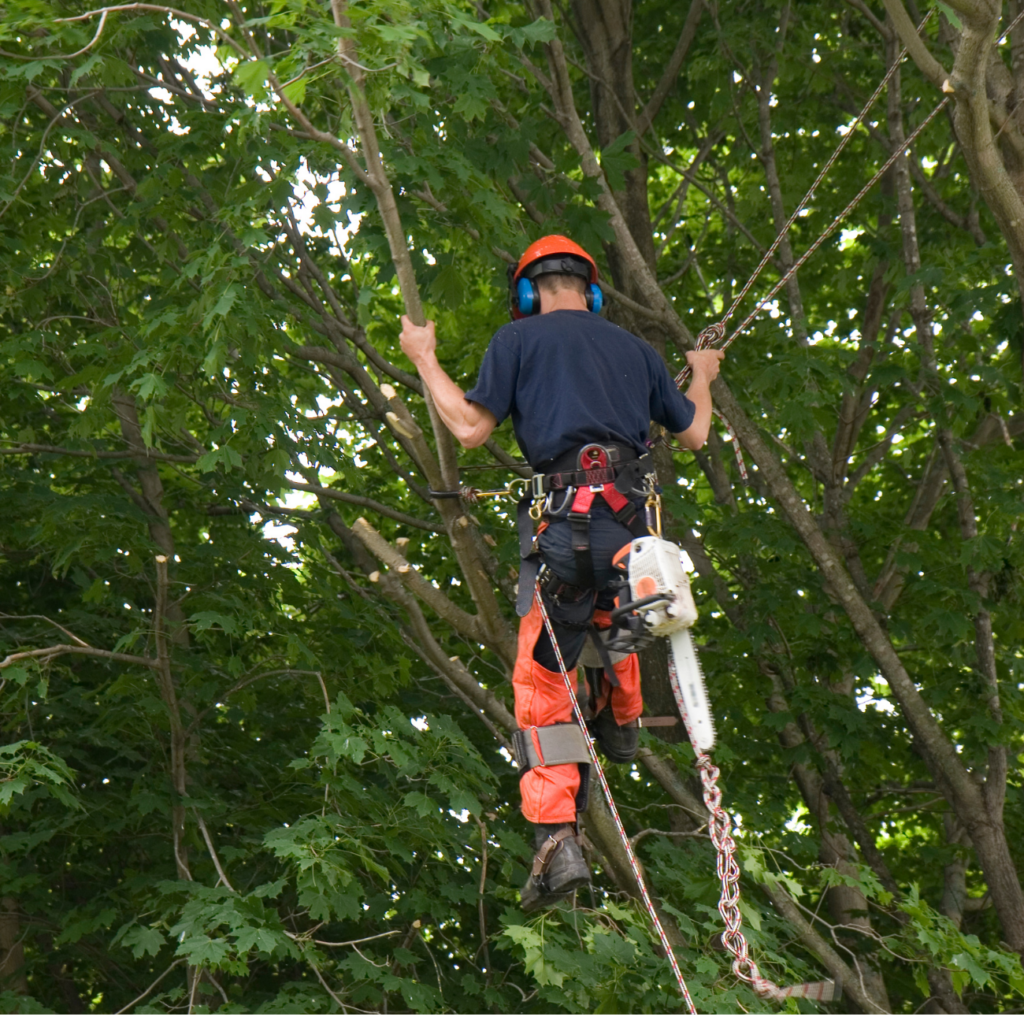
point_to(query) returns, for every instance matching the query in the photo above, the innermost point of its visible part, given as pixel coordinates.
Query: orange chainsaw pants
(551, 794)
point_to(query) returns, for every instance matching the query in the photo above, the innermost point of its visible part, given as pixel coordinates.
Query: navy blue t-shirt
(569, 377)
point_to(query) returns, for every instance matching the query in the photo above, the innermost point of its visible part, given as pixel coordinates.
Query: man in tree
(582, 393)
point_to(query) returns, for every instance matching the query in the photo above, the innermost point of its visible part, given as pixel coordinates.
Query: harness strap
(538, 746)
(602, 651)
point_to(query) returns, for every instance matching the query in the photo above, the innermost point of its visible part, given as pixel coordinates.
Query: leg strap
(539, 746)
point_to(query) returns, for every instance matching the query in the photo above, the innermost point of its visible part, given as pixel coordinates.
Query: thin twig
(323, 686)
(480, 901)
(56, 625)
(61, 56)
(330, 991)
(216, 985)
(658, 832)
(195, 985)
(138, 999)
(350, 942)
(92, 652)
(213, 852)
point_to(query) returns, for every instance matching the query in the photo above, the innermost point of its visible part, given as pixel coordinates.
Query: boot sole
(531, 898)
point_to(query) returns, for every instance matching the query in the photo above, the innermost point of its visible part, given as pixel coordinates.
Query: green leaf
(420, 803)
(252, 76)
(143, 941)
(616, 160)
(295, 92)
(951, 16)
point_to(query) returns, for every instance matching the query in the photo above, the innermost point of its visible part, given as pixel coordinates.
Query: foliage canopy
(255, 699)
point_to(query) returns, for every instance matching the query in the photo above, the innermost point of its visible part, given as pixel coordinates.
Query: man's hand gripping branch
(470, 422)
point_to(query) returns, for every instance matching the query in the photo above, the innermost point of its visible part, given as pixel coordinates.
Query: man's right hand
(705, 363)
(418, 343)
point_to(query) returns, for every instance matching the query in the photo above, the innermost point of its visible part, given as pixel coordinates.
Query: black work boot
(558, 869)
(619, 743)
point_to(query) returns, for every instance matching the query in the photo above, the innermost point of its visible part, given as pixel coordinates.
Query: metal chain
(720, 829)
(641, 885)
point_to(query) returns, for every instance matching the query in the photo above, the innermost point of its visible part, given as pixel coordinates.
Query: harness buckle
(537, 485)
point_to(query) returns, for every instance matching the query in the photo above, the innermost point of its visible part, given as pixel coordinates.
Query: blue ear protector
(528, 298)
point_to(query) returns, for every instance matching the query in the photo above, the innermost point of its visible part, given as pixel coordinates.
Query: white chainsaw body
(656, 569)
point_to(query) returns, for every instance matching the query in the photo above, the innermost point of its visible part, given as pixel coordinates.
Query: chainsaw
(661, 604)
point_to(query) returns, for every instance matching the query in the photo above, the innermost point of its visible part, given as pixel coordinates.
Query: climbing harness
(567, 489)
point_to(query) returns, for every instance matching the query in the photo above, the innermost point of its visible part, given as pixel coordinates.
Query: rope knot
(711, 335)
(468, 495)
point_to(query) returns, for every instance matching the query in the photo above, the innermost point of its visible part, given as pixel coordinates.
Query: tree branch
(672, 68)
(89, 652)
(376, 506)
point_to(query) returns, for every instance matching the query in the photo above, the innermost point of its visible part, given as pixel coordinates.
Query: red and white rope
(712, 336)
(714, 333)
(599, 771)
(809, 194)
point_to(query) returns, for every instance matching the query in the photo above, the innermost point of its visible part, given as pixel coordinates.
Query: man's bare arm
(470, 422)
(705, 365)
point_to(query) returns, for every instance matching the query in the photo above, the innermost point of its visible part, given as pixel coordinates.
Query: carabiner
(569, 493)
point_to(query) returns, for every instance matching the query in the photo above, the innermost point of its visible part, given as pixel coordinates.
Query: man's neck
(552, 302)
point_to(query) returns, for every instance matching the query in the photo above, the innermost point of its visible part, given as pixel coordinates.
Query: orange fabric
(627, 701)
(549, 793)
(619, 558)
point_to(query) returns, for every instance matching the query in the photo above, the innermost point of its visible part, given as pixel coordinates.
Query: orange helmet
(552, 254)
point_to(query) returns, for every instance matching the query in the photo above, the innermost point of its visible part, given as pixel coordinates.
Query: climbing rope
(641, 885)
(715, 333)
(720, 824)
